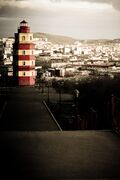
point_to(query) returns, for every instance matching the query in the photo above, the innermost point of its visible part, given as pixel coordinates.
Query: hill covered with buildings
(64, 56)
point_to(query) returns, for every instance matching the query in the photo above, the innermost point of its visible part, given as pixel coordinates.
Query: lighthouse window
(24, 63)
(23, 38)
(23, 52)
(23, 73)
(30, 37)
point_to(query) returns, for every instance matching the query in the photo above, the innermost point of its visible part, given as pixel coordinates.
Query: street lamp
(76, 94)
(76, 98)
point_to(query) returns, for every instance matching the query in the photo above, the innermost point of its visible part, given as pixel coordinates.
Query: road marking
(52, 115)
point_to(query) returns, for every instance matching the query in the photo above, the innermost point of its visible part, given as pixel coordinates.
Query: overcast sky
(81, 19)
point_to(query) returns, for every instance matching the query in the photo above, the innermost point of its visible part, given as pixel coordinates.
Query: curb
(52, 115)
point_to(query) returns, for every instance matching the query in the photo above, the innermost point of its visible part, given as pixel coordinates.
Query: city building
(8, 51)
(23, 56)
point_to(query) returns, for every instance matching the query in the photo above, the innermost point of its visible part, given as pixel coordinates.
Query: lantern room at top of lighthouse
(23, 23)
(24, 28)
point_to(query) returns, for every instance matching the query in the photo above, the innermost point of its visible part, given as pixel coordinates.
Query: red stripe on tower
(25, 68)
(27, 81)
(26, 46)
(26, 57)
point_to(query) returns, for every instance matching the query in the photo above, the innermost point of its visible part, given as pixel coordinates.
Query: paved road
(24, 110)
(60, 155)
(31, 147)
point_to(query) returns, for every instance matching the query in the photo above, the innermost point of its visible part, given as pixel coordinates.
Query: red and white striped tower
(23, 56)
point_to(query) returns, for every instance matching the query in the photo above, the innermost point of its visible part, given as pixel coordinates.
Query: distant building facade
(23, 56)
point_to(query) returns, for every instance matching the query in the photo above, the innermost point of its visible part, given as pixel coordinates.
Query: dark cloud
(8, 26)
(114, 3)
(15, 8)
(15, 11)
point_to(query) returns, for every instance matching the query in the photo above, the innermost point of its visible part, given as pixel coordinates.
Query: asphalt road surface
(24, 110)
(32, 147)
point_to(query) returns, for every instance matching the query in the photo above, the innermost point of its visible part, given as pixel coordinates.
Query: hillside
(56, 39)
(59, 39)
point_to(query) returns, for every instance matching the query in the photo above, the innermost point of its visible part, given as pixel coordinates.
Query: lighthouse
(23, 56)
